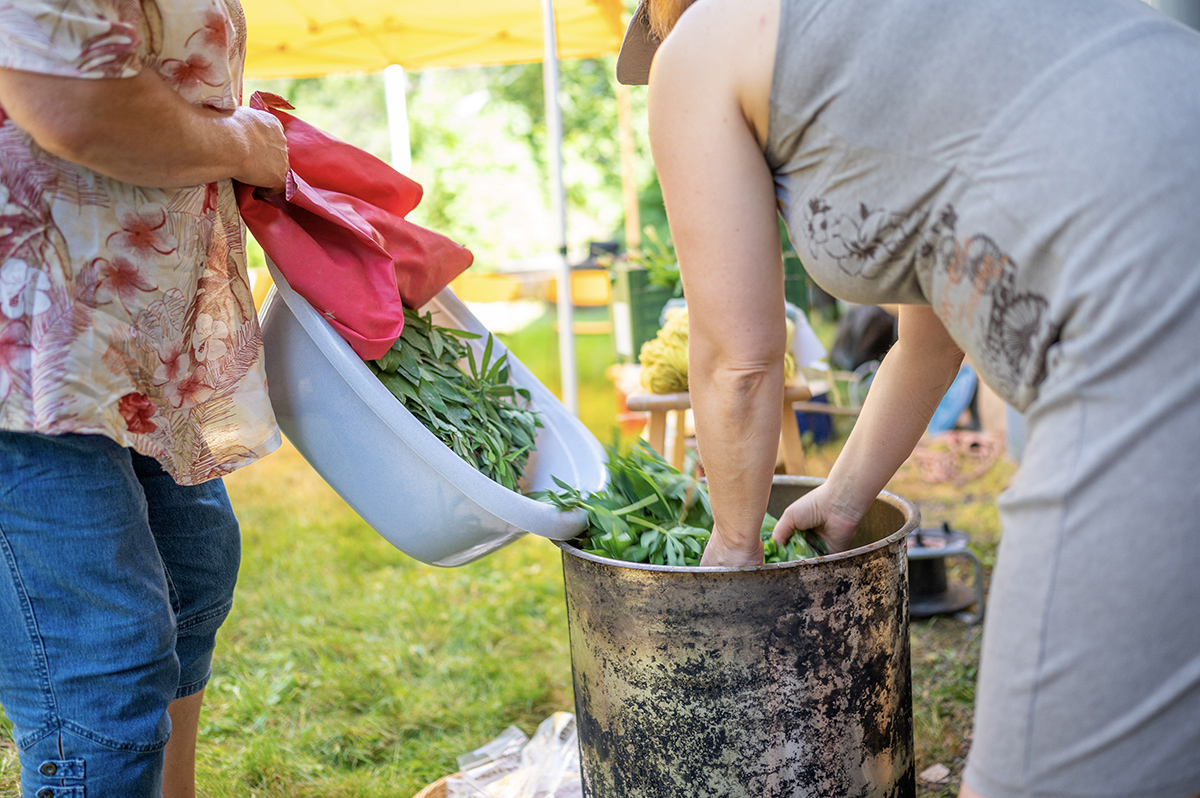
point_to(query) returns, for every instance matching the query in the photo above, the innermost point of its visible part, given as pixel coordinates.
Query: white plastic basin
(404, 482)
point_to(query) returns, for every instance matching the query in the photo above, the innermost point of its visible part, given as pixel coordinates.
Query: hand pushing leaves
(474, 411)
(652, 513)
(800, 546)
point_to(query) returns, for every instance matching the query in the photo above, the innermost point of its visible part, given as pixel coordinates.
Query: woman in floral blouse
(131, 377)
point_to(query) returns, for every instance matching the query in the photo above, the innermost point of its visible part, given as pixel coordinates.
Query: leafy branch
(659, 259)
(475, 411)
(652, 513)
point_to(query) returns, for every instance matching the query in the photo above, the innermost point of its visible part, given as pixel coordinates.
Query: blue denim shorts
(113, 583)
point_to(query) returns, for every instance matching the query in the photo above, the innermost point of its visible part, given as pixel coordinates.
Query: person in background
(131, 378)
(1022, 177)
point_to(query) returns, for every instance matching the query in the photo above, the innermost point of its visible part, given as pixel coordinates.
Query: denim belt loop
(76, 791)
(61, 771)
(65, 769)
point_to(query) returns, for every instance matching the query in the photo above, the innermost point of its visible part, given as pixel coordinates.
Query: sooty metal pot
(790, 679)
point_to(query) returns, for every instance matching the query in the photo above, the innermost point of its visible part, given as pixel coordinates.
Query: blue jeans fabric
(113, 582)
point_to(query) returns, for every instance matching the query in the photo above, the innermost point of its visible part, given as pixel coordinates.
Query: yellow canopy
(307, 38)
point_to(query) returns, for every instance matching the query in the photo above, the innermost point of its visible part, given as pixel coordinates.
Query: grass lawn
(349, 669)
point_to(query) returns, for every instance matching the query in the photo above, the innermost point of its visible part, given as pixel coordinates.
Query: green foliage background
(480, 150)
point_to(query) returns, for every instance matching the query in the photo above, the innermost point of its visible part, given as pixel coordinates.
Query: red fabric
(339, 236)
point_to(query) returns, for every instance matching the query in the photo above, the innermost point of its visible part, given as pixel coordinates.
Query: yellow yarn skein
(665, 358)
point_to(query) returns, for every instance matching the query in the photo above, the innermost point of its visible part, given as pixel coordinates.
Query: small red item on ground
(339, 236)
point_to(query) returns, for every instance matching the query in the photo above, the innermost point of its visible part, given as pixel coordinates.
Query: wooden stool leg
(656, 431)
(679, 440)
(793, 447)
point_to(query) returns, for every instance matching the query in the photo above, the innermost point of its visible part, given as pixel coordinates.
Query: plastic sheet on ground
(516, 766)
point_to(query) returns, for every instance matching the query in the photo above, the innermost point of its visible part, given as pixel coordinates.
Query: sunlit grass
(348, 664)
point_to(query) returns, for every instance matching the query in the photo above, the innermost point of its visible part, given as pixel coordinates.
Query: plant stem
(644, 502)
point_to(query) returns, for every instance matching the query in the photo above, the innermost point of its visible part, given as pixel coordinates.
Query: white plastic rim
(405, 483)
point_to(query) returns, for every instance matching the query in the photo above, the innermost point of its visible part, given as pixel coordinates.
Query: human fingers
(804, 513)
(820, 514)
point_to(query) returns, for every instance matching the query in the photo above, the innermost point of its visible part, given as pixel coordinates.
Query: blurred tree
(591, 147)
(350, 107)
(479, 149)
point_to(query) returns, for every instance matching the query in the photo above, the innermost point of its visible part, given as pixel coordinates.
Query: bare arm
(139, 131)
(720, 202)
(906, 391)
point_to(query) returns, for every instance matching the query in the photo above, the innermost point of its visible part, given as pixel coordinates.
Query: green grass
(348, 669)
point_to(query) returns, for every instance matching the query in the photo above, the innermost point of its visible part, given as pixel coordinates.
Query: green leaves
(475, 412)
(652, 513)
(802, 545)
(662, 266)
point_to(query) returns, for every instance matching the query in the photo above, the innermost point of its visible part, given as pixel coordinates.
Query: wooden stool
(658, 405)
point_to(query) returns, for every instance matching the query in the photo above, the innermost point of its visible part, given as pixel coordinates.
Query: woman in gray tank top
(1023, 178)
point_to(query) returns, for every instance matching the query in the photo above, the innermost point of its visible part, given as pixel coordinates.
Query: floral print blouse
(126, 311)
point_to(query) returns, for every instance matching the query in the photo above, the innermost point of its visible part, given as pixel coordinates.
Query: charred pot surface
(788, 680)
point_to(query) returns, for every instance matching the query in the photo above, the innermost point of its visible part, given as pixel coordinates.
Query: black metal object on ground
(930, 592)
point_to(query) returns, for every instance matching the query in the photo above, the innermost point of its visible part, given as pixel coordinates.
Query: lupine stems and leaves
(474, 411)
(652, 513)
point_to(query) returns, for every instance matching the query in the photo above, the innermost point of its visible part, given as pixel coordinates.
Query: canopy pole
(633, 222)
(566, 315)
(397, 116)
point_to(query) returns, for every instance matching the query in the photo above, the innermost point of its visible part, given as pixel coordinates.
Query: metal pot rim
(910, 510)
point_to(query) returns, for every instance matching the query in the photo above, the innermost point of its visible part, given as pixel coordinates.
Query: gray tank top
(969, 154)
